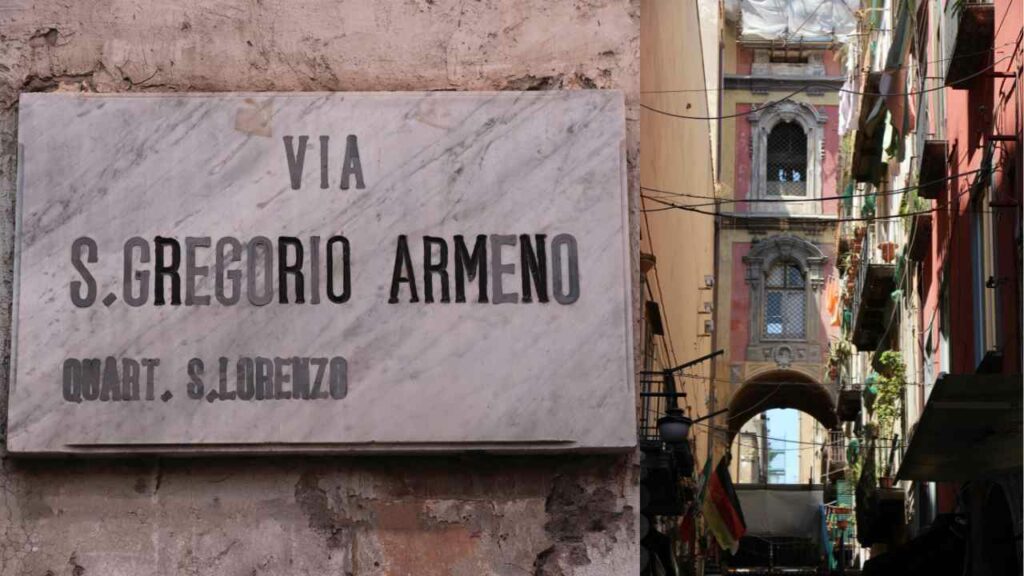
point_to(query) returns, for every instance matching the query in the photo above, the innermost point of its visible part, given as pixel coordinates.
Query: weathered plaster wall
(677, 157)
(361, 516)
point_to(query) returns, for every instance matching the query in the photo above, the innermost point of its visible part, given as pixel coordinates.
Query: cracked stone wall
(425, 515)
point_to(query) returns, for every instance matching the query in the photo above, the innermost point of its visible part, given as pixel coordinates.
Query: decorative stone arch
(795, 373)
(809, 258)
(781, 389)
(761, 124)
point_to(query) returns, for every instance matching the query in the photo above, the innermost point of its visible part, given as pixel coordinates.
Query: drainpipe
(713, 382)
(763, 477)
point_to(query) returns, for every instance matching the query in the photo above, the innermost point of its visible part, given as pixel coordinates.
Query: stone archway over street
(781, 389)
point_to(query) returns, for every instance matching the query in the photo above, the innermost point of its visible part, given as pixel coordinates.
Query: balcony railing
(875, 281)
(779, 189)
(834, 456)
(651, 407)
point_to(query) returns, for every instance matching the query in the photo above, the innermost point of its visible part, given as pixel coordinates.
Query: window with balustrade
(786, 161)
(786, 158)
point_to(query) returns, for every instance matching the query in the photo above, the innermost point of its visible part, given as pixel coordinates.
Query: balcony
(848, 407)
(920, 238)
(970, 28)
(933, 169)
(881, 511)
(872, 296)
(834, 462)
(866, 165)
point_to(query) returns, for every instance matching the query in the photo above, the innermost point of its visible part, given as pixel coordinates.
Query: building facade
(776, 277)
(677, 268)
(780, 151)
(931, 258)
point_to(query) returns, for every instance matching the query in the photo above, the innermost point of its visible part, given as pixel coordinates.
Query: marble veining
(521, 376)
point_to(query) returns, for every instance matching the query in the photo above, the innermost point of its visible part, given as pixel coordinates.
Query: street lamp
(674, 427)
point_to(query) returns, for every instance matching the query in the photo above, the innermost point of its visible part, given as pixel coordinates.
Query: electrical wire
(946, 251)
(789, 96)
(736, 115)
(901, 443)
(893, 192)
(968, 55)
(759, 403)
(850, 219)
(668, 330)
(685, 375)
(758, 216)
(667, 339)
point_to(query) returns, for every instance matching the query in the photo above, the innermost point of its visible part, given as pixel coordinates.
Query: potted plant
(844, 244)
(888, 250)
(892, 380)
(888, 404)
(843, 264)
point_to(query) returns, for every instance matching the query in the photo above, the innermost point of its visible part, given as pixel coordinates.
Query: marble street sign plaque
(321, 272)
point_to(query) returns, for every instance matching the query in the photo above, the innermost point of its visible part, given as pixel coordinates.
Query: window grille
(784, 302)
(787, 160)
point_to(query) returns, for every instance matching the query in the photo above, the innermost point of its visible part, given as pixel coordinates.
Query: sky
(784, 424)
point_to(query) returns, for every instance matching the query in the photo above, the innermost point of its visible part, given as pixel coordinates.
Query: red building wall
(829, 165)
(739, 302)
(739, 321)
(990, 105)
(745, 62)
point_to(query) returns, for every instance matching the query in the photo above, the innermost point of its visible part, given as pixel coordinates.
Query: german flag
(722, 511)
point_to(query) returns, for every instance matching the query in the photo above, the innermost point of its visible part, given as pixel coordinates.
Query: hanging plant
(844, 263)
(840, 353)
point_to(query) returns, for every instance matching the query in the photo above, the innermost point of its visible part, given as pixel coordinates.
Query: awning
(781, 510)
(971, 425)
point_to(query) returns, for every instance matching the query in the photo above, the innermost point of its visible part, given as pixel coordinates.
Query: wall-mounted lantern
(674, 427)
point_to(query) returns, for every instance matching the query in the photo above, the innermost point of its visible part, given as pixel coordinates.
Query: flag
(722, 511)
(687, 530)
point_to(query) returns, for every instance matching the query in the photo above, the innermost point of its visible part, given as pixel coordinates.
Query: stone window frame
(761, 258)
(761, 124)
(762, 64)
(783, 289)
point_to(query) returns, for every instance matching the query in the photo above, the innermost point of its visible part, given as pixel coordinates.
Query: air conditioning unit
(709, 326)
(709, 281)
(708, 308)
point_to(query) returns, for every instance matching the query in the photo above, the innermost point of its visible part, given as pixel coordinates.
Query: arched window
(785, 302)
(786, 156)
